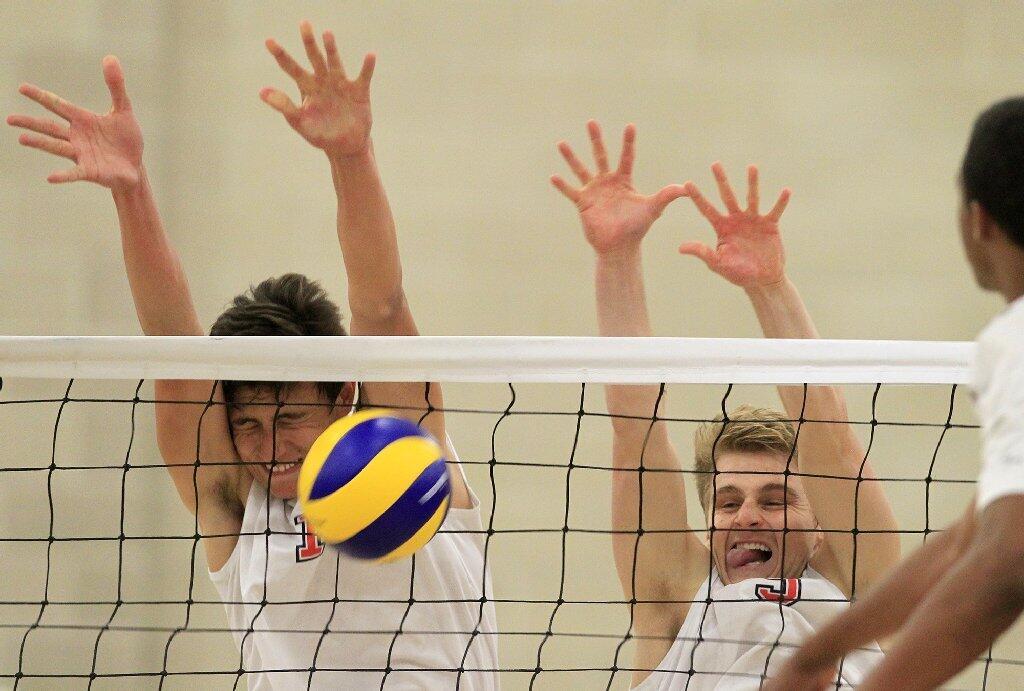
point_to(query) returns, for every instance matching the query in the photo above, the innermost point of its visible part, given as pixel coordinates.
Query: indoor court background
(862, 108)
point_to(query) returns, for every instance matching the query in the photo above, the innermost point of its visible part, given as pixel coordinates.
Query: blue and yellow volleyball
(375, 486)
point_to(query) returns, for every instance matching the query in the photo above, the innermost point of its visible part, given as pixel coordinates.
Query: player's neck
(1012, 287)
(1009, 272)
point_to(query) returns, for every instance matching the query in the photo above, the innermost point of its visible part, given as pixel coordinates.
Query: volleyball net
(104, 583)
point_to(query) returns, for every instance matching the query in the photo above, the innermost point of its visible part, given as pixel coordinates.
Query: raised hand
(613, 213)
(334, 114)
(106, 149)
(749, 252)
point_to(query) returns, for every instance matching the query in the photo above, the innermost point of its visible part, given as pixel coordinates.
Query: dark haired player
(289, 603)
(951, 599)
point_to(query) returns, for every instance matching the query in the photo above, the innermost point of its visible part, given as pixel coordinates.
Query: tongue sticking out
(738, 557)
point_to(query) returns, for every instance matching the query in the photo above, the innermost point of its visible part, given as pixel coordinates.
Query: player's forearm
(887, 605)
(158, 283)
(369, 243)
(622, 311)
(782, 314)
(950, 641)
(968, 609)
(781, 311)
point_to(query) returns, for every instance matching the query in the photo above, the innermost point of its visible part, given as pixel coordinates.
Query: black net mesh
(104, 582)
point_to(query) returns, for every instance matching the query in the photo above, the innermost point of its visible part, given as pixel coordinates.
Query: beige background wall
(862, 108)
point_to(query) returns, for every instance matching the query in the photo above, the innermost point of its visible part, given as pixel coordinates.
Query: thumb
(701, 251)
(280, 102)
(666, 196)
(114, 78)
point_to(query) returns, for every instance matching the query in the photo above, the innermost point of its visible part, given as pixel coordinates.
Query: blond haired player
(782, 547)
(302, 616)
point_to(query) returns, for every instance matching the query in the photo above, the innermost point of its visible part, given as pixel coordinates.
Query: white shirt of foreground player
(728, 641)
(999, 399)
(301, 578)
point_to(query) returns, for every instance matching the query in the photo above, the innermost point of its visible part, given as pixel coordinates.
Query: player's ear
(980, 224)
(346, 397)
(819, 539)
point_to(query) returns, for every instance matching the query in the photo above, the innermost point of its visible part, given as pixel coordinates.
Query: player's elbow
(379, 308)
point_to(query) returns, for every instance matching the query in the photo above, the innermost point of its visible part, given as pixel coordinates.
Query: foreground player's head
(274, 424)
(992, 209)
(751, 502)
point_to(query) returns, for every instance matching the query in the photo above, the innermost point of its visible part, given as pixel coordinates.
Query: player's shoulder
(999, 359)
(1006, 329)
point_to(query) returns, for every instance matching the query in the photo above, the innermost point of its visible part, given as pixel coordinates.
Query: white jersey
(295, 605)
(727, 643)
(998, 384)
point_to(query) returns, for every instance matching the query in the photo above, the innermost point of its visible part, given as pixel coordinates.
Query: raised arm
(750, 255)
(107, 150)
(658, 566)
(334, 116)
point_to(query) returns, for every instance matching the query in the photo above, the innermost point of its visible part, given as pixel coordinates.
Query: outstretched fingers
(316, 58)
(701, 251)
(49, 100)
(286, 61)
(667, 195)
(331, 48)
(366, 73)
(58, 147)
(597, 143)
(628, 150)
(114, 77)
(706, 208)
(565, 188)
(279, 101)
(40, 125)
(776, 213)
(577, 167)
(70, 175)
(725, 189)
(753, 190)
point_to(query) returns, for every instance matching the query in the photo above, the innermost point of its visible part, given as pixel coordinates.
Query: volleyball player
(768, 523)
(235, 463)
(951, 599)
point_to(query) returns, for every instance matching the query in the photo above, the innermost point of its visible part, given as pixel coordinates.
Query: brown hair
(289, 305)
(747, 429)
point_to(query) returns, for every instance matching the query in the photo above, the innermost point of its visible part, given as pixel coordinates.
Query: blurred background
(862, 108)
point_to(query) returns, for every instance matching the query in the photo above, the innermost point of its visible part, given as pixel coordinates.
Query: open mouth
(748, 555)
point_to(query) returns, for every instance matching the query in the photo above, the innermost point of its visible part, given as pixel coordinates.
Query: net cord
(495, 359)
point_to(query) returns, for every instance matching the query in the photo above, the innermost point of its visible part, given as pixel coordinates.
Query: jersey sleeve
(1000, 406)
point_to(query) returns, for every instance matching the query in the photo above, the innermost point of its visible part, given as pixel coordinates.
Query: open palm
(106, 149)
(749, 252)
(334, 114)
(613, 213)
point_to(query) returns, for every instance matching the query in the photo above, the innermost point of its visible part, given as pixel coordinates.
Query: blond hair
(748, 429)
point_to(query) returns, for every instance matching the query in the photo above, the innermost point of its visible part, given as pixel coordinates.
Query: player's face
(753, 502)
(273, 432)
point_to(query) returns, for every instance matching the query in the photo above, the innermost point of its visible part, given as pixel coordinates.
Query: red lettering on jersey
(787, 591)
(311, 547)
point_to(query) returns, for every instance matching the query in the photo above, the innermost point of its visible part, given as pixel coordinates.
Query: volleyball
(374, 485)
